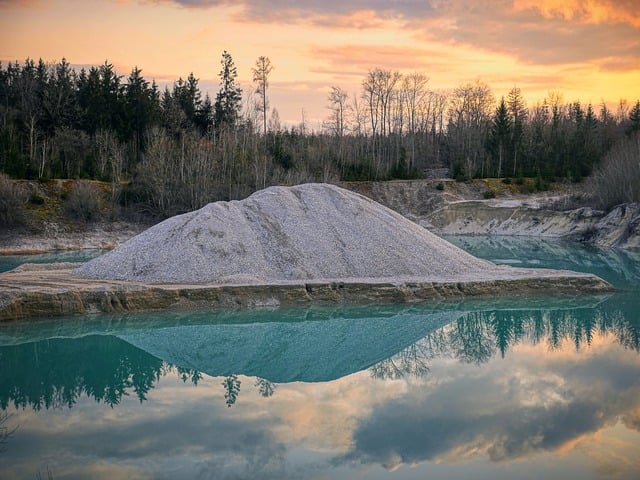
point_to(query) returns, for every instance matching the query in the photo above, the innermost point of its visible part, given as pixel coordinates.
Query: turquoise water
(9, 262)
(543, 388)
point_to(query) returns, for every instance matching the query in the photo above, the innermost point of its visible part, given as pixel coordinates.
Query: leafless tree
(261, 72)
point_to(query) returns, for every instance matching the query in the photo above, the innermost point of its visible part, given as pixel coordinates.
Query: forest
(173, 150)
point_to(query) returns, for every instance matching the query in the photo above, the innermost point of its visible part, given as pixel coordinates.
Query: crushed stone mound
(284, 234)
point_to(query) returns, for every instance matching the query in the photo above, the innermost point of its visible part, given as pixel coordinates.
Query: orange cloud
(18, 3)
(589, 11)
(359, 20)
(360, 58)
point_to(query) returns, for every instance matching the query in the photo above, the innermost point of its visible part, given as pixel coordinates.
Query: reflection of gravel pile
(312, 231)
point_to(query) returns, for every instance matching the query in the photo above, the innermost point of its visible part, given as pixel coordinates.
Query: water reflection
(453, 386)
(54, 372)
(619, 267)
(9, 262)
(458, 386)
(533, 388)
(476, 337)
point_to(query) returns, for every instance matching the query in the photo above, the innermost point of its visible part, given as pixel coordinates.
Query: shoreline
(53, 290)
(101, 236)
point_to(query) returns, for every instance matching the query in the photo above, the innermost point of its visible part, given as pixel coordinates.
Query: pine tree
(141, 109)
(634, 119)
(500, 134)
(228, 100)
(518, 113)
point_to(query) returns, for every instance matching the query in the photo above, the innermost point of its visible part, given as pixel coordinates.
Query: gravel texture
(292, 234)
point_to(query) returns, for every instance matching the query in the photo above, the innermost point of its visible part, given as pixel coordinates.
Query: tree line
(176, 149)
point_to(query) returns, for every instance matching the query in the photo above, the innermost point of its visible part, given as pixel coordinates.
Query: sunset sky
(588, 50)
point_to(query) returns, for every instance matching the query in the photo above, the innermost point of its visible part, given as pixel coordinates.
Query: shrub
(489, 194)
(506, 181)
(83, 202)
(36, 199)
(541, 184)
(13, 199)
(440, 186)
(617, 179)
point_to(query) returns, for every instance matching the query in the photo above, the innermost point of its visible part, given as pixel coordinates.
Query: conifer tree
(634, 119)
(500, 134)
(229, 98)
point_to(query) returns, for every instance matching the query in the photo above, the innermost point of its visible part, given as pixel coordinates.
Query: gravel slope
(291, 234)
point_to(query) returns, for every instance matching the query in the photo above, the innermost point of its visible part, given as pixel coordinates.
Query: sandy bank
(53, 290)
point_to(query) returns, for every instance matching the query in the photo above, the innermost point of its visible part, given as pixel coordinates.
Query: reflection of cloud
(187, 436)
(535, 402)
(544, 404)
(632, 419)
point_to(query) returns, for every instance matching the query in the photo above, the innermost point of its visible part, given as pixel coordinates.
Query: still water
(541, 388)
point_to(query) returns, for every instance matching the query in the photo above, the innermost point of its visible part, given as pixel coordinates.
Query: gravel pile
(286, 234)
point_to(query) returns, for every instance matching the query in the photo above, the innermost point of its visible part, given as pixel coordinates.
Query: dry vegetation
(13, 200)
(28, 205)
(617, 179)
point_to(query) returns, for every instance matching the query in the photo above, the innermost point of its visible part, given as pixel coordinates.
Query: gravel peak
(287, 234)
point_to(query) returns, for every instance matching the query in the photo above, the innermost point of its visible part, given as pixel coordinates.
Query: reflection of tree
(231, 386)
(49, 474)
(5, 431)
(265, 387)
(194, 376)
(412, 361)
(56, 372)
(471, 339)
(477, 336)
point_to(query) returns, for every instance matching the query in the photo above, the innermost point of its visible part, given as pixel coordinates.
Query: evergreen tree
(59, 99)
(188, 98)
(228, 100)
(500, 134)
(141, 107)
(204, 116)
(591, 147)
(518, 113)
(634, 119)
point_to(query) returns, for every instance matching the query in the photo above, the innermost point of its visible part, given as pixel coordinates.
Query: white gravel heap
(289, 234)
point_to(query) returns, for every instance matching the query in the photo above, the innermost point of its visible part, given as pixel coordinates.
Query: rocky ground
(455, 208)
(304, 245)
(441, 205)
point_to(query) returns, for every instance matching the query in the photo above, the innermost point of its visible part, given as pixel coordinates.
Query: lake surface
(542, 388)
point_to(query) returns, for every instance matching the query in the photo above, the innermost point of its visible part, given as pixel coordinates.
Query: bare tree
(378, 90)
(111, 160)
(470, 111)
(337, 104)
(414, 92)
(261, 72)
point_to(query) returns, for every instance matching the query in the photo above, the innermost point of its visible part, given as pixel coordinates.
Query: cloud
(600, 33)
(19, 3)
(215, 445)
(358, 59)
(550, 32)
(593, 11)
(550, 407)
(192, 3)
